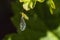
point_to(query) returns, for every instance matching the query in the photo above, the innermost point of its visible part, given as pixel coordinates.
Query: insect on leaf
(22, 24)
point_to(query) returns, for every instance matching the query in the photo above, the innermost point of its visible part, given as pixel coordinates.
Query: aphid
(25, 16)
(22, 24)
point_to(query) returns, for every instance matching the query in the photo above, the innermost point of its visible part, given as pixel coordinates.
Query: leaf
(25, 6)
(28, 4)
(52, 4)
(50, 36)
(51, 10)
(24, 1)
(41, 1)
(32, 4)
(8, 36)
(57, 31)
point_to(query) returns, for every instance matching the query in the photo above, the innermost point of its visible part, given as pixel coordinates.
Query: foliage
(36, 20)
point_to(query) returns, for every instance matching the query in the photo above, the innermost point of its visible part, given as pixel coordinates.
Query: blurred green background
(41, 24)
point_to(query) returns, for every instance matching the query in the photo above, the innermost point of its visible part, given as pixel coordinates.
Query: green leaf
(32, 4)
(25, 6)
(41, 1)
(51, 6)
(50, 36)
(24, 1)
(28, 4)
(51, 10)
(57, 31)
(8, 36)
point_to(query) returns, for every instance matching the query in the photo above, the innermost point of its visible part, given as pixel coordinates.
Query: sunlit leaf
(31, 4)
(50, 36)
(51, 10)
(20, 0)
(51, 4)
(9, 38)
(25, 6)
(24, 1)
(57, 31)
(28, 4)
(41, 1)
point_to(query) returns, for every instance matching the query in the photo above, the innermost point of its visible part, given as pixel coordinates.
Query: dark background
(6, 25)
